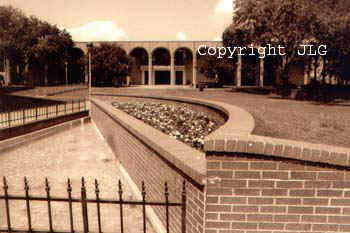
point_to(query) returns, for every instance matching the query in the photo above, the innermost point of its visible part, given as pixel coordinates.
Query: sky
(135, 20)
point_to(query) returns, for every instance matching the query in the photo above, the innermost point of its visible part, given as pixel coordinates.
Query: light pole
(66, 64)
(90, 46)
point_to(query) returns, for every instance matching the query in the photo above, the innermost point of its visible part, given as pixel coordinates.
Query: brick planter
(243, 183)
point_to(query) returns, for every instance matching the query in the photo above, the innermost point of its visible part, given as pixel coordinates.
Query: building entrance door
(162, 77)
(179, 78)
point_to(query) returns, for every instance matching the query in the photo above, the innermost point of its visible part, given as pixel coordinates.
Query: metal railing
(30, 113)
(83, 200)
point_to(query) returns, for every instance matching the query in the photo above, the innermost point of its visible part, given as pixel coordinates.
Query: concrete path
(74, 153)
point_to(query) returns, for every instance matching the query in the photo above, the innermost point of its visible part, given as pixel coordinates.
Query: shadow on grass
(11, 89)
(336, 103)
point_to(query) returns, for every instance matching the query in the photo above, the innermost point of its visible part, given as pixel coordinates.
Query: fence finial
(69, 186)
(166, 189)
(26, 187)
(120, 189)
(82, 183)
(143, 188)
(184, 188)
(47, 186)
(5, 183)
(97, 190)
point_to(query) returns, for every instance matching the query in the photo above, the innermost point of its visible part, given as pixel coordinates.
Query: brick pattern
(248, 193)
(143, 164)
(261, 145)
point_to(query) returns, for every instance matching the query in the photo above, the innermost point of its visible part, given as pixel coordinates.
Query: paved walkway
(74, 153)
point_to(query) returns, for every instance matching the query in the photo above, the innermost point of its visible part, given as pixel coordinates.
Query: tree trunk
(315, 67)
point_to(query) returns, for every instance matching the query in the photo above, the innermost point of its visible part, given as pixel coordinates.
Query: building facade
(161, 62)
(175, 63)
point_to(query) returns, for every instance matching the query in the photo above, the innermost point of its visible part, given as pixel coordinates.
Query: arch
(138, 70)
(182, 56)
(161, 56)
(183, 60)
(162, 66)
(140, 54)
(250, 68)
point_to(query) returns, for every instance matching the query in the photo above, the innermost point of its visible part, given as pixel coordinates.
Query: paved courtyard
(74, 153)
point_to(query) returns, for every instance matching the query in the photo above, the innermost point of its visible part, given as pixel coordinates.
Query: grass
(274, 117)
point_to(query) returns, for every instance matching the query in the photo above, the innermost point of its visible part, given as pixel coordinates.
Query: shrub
(285, 90)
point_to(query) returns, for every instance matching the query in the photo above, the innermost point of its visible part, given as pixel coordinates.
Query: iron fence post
(69, 190)
(24, 115)
(7, 205)
(84, 206)
(47, 189)
(29, 218)
(183, 207)
(144, 206)
(83, 201)
(167, 206)
(9, 117)
(120, 191)
(97, 192)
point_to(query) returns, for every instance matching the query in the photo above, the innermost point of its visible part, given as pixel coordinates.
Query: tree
(35, 49)
(213, 67)
(76, 65)
(291, 23)
(333, 30)
(110, 64)
(285, 23)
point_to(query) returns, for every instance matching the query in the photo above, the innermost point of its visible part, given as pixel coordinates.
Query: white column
(142, 77)
(128, 80)
(172, 69)
(306, 81)
(184, 78)
(7, 71)
(239, 71)
(150, 71)
(194, 71)
(261, 83)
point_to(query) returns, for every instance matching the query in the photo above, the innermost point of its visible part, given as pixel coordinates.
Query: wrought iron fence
(84, 207)
(29, 113)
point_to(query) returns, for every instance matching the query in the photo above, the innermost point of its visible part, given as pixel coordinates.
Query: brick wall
(258, 193)
(253, 184)
(145, 164)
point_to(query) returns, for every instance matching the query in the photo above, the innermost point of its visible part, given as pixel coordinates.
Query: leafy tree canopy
(291, 23)
(30, 41)
(109, 62)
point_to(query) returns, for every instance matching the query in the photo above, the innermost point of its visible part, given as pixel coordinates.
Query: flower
(177, 121)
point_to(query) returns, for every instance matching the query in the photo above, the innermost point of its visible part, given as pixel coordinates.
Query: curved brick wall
(151, 156)
(244, 183)
(264, 184)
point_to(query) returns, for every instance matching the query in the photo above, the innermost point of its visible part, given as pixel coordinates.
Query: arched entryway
(139, 70)
(250, 69)
(161, 59)
(183, 66)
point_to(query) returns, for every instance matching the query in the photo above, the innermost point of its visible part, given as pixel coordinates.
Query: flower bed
(178, 121)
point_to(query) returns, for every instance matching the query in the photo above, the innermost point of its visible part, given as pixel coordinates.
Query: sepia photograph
(187, 116)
